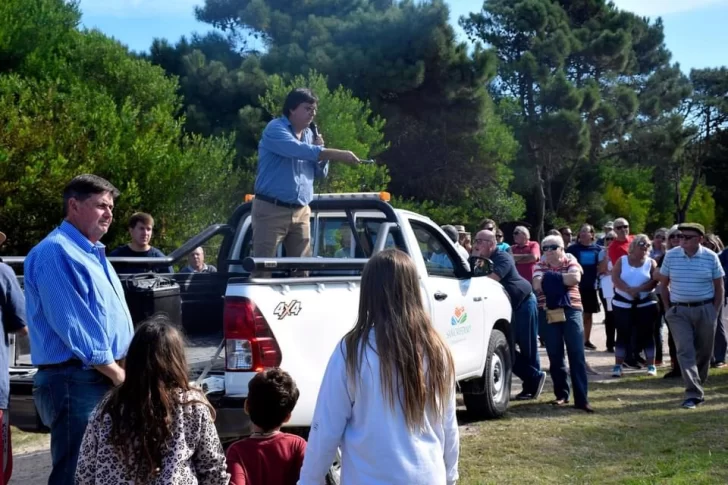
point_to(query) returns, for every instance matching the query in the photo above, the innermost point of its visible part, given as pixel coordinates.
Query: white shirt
(377, 448)
(634, 277)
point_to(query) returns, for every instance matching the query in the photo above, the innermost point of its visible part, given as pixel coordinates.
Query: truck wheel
(489, 397)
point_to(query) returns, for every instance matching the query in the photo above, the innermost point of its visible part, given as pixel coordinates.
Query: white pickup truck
(294, 318)
(296, 322)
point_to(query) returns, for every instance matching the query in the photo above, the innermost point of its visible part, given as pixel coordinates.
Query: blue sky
(695, 30)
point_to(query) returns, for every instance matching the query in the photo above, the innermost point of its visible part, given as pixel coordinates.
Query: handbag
(555, 315)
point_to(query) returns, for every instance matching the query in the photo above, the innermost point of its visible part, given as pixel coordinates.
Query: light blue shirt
(691, 278)
(74, 301)
(288, 166)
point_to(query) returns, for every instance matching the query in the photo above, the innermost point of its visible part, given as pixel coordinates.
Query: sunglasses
(550, 248)
(609, 239)
(621, 227)
(686, 237)
(675, 236)
(499, 236)
(488, 228)
(644, 245)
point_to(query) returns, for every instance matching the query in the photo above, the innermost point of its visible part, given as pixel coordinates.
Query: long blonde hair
(415, 364)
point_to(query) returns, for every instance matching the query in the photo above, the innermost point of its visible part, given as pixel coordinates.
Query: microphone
(314, 130)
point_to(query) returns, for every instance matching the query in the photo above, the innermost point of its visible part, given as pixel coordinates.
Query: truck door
(455, 308)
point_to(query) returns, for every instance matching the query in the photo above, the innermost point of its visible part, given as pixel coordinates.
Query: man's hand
(114, 371)
(339, 155)
(349, 157)
(319, 141)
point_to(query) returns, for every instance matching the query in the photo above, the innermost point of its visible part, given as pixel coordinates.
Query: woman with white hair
(526, 253)
(635, 304)
(556, 282)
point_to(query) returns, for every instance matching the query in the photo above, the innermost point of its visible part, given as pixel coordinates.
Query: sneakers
(589, 345)
(617, 371)
(539, 388)
(652, 370)
(692, 402)
(527, 396)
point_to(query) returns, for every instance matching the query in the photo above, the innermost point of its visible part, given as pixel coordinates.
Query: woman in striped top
(556, 282)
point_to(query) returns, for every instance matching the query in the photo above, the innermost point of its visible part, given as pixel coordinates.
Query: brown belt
(72, 363)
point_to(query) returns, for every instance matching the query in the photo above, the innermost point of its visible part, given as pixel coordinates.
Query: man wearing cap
(12, 314)
(452, 233)
(525, 313)
(693, 281)
(607, 228)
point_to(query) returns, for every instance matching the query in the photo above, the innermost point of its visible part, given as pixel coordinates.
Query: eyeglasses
(687, 238)
(621, 227)
(550, 248)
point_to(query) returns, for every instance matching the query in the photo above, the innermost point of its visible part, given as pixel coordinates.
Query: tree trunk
(540, 204)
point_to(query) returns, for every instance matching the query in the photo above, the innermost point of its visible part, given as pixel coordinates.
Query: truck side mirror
(480, 266)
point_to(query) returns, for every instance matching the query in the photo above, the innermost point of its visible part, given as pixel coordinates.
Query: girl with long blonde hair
(388, 394)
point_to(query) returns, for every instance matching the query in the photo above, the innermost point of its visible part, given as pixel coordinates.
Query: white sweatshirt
(377, 448)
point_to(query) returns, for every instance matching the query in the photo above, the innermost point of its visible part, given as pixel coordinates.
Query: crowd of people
(676, 279)
(120, 407)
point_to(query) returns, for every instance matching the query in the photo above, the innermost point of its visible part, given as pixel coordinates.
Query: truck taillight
(249, 342)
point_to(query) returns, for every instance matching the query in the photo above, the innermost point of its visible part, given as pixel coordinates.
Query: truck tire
(489, 398)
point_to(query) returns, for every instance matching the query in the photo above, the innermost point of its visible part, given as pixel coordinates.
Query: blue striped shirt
(691, 278)
(75, 302)
(288, 166)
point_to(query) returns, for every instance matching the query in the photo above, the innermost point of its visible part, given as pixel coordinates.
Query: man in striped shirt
(693, 278)
(80, 326)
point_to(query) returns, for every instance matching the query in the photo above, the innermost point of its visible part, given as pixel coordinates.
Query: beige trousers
(274, 224)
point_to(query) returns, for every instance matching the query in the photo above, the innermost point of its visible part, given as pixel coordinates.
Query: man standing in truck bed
(290, 157)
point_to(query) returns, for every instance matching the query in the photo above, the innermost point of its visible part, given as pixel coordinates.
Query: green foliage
(497, 204)
(346, 123)
(580, 72)
(100, 110)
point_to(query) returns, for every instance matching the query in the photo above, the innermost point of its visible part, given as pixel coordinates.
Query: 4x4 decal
(284, 309)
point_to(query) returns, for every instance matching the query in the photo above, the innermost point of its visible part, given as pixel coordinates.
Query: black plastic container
(149, 293)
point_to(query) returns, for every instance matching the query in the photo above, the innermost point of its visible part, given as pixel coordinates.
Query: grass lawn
(638, 435)
(24, 441)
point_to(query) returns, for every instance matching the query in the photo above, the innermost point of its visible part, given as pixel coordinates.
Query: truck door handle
(439, 296)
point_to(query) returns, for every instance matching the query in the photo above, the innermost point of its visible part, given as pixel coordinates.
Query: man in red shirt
(620, 246)
(526, 253)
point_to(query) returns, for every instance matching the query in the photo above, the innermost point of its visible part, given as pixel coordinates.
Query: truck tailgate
(307, 317)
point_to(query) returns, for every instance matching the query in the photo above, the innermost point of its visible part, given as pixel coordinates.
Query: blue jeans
(525, 335)
(571, 333)
(65, 398)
